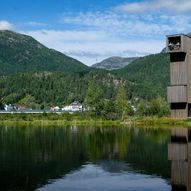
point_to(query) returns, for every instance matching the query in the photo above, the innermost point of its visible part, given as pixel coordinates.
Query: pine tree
(122, 105)
(94, 99)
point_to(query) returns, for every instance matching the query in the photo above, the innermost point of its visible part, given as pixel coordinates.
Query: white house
(56, 108)
(8, 107)
(73, 107)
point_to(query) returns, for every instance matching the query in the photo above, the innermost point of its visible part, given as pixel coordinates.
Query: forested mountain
(145, 78)
(150, 75)
(113, 63)
(21, 53)
(32, 73)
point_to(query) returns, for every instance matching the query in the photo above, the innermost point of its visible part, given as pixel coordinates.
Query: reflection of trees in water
(145, 150)
(107, 143)
(30, 157)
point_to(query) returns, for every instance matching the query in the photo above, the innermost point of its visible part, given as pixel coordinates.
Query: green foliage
(156, 107)
(1, 105)
(122, 105)
(29, 102)
(93, 99)
(56, 88)
(110, 111)
(1, 102)
(149, 76)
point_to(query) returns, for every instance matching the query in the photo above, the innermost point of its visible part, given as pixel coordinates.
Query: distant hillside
(114, 63)
(56, 87)
(150, 75)
(144, 78)
(22, 53)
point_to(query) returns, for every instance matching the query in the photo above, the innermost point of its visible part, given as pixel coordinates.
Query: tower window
(178, 57)
(181, 105)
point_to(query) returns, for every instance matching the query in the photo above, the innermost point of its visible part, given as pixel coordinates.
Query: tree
(156, 107)
(143, 108)
(94, 99)
(122, 105)
(159, 107)
(29, 101)
(1, 102)
(109, 111)
(1, 105)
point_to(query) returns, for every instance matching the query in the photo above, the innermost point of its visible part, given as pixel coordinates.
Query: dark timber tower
(179, 90)
(179, 153)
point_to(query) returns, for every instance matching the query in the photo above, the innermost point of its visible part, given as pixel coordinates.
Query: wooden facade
(179, 113)
(179, 90)
(179, 153)
(178, 73)
(183, 133)
(177, 94)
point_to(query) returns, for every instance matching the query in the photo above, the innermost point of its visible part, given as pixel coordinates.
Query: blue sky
(92, 30)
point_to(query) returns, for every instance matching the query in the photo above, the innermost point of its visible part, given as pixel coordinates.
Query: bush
(156, 107)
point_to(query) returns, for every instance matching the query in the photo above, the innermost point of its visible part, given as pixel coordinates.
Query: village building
(73, 107)
(55, 109)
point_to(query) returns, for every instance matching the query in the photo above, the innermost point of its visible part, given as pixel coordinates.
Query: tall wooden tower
(179, 90)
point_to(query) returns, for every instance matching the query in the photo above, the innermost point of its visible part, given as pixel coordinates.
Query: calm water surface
(76, 159)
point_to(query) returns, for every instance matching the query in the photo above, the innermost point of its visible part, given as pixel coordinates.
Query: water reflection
(179, 153)
(93, 177)
(57, 158)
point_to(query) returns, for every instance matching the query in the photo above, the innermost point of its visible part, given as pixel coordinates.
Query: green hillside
(145, 78)
(21, 53)
(55, 88)
(149, 75)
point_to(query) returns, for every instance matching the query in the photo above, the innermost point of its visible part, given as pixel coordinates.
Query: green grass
(53, 120)
(86, 120)
(157, 121)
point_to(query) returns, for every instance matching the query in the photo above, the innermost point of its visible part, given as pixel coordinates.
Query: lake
(79, 158)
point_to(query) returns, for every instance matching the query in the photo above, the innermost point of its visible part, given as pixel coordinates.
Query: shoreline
(78, 119)
(158, 121)
(59, 123)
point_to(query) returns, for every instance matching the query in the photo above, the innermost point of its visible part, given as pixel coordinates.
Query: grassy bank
(53, 119)
(65, 119)
(145, 121)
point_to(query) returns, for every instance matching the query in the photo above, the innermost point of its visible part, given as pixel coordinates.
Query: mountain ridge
(114, 62)
(22, 53)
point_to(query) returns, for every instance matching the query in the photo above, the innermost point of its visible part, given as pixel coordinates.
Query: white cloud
(36, 24)
(97, 35)
(171, 5)
(5, 25)
(145, 25)
(67, 35)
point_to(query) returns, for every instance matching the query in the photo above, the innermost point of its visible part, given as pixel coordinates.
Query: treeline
(120, 107)
(57, 88)
(104, 94)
